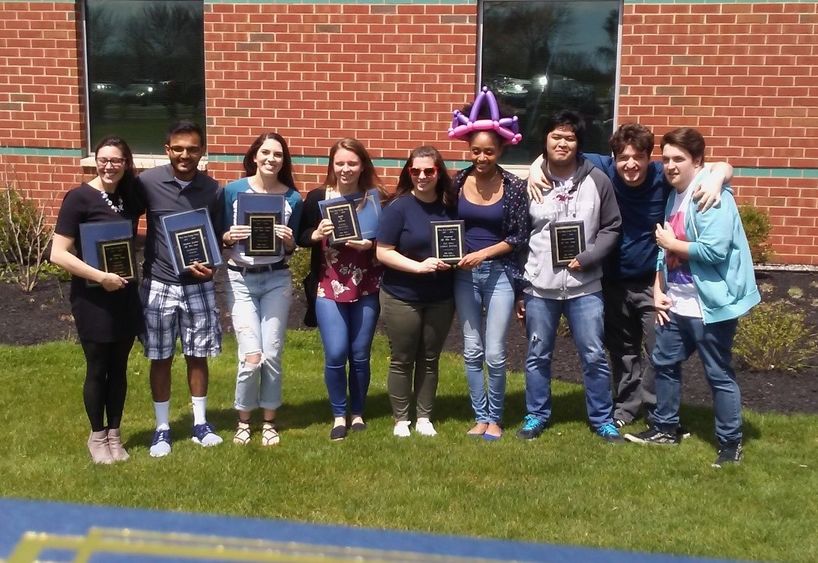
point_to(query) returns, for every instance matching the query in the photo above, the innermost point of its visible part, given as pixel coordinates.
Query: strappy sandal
(269, 434)
(242, 437)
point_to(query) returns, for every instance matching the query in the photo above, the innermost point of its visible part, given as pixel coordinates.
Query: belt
(259, 269)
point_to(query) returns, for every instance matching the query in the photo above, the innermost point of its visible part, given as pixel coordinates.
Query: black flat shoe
(358, 427)
(338, 433)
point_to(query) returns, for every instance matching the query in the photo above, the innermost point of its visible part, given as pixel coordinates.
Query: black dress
(100, 315)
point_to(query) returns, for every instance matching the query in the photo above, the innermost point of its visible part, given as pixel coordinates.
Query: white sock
(162, 413)
(199, 408)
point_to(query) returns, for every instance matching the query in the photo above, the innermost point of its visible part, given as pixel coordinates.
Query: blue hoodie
(719, 260)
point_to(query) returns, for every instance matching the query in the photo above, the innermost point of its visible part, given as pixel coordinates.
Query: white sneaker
(401, 429)
(424, 427)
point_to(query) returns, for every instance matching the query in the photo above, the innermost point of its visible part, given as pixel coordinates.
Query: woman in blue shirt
(417, 305)
(260, 286)
(493, 205)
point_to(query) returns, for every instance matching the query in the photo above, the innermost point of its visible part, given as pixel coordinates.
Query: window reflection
(542, 56)
(145, 68)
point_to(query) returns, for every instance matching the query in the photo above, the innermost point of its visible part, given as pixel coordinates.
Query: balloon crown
(462, 126)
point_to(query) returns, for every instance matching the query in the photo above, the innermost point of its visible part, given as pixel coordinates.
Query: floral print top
(348, 274)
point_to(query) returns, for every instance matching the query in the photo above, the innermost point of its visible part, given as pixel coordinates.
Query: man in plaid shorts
(182, 306)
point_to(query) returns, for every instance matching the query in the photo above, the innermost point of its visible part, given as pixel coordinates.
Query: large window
(545, 55)
(145, 68)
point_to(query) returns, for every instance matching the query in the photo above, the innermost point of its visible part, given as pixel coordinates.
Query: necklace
(118, 207)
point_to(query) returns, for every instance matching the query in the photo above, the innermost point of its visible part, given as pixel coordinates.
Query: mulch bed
(45, 315)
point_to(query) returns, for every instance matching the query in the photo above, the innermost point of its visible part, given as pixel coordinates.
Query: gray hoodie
(588, 197)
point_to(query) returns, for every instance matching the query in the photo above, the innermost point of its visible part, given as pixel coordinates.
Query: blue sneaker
(160, 445)
(204, 435)
(532, 427)
(609, 433)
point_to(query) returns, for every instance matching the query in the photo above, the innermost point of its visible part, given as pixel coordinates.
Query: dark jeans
(106, 383)
(417, 332)
(630, 335)
(675, 342)
(347, 330)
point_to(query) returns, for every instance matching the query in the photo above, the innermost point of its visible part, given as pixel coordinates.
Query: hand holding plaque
(191, 239)
(341, 213)
(567, 241)
(262, 213)
(447, 240)
(108, 246)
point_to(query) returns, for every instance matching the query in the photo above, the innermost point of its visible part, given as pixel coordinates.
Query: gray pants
(417, 332)
(630, 334)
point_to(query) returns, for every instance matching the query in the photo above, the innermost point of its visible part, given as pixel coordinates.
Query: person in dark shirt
(417, 300)
(182, 306)
(106, 311)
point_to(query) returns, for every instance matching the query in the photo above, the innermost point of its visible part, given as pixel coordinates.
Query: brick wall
(390, 74)
(40, 93)
(745, 75)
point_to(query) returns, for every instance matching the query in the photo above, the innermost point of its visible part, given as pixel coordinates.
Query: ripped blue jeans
(585, 317)
(260, 305)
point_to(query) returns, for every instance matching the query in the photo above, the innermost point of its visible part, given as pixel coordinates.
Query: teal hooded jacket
(720, 259)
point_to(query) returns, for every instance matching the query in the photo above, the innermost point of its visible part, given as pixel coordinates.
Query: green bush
(775, 336)
(300, 267)
(757, 228)
(24, 236)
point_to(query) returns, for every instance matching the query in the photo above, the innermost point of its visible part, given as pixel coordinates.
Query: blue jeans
(346, 332)
(675, 342)
(486, 287)
(260, 305)
(586, 321)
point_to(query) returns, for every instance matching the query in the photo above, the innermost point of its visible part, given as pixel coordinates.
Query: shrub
(300, 267)
(757, 228)
(24, 235)
(775, 336)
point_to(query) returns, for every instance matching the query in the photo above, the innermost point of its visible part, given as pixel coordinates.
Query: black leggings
(106, 382)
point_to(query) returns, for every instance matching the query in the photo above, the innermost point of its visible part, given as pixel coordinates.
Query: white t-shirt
(680, 286)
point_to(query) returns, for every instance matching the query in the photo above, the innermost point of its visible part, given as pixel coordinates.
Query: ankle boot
(118, 452)
(98, 446)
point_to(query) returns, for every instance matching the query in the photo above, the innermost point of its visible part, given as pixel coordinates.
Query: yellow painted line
(193, 546)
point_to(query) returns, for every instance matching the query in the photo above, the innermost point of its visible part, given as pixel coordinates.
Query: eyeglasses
(178, 149)
(115, 162)
(426, 171)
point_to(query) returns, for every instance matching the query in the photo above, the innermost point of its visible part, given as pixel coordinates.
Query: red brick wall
(40, 95)
(388, 75)
(745, 75)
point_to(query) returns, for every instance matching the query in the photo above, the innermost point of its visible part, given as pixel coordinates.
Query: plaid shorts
(186, 311)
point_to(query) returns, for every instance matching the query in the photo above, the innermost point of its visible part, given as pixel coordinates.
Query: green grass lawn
(567, 487)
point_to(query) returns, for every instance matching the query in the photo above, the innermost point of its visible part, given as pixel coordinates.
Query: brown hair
(285, 175)
(445, 189)
(688, 139)
(369, 177)
(634, 134)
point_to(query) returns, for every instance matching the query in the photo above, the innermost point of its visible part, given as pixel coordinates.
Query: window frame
(522, 169)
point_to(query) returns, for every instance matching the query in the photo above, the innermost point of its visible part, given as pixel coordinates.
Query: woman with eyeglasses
(416, 293)
(105, 306)
(493, 205)
(348, 279)
(260, 286)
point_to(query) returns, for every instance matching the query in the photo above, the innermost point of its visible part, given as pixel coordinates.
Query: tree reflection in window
(145, 68)
(545, 55)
